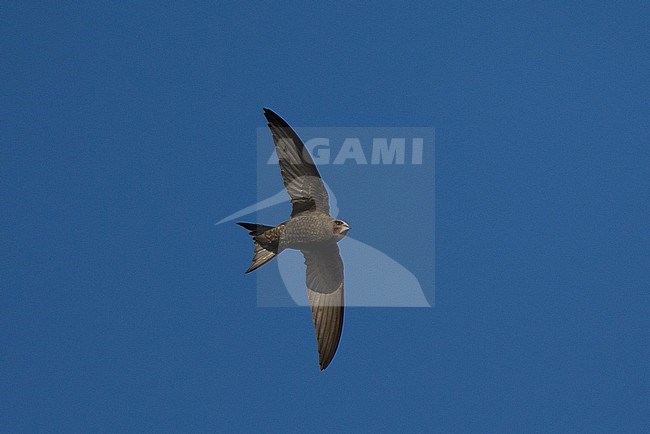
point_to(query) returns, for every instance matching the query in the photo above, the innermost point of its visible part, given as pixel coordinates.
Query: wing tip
(275, 119)
(268, 113)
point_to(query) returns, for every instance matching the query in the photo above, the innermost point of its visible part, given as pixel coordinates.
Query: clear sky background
(126, 131)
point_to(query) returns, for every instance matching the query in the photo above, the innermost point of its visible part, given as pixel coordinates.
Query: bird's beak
(346, 229)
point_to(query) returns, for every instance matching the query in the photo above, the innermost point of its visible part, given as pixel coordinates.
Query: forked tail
(266, 240)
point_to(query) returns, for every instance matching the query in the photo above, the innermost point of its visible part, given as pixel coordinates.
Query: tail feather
(264, 250)
(254, 229)
(262, 256)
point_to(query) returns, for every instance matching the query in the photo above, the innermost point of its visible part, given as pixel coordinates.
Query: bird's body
(304, 231)
(312, 231)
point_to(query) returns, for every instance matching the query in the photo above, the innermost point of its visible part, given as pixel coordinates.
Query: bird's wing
(299, 173)
(325, 292)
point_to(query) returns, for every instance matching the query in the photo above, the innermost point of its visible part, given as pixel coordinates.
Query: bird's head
(341, 228)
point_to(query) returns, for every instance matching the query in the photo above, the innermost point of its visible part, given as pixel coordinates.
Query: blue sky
(128, 130)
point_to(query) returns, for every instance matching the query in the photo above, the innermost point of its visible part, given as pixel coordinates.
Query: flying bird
(311, 230)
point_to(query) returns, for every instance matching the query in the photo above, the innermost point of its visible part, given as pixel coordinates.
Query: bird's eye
(338, 223)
